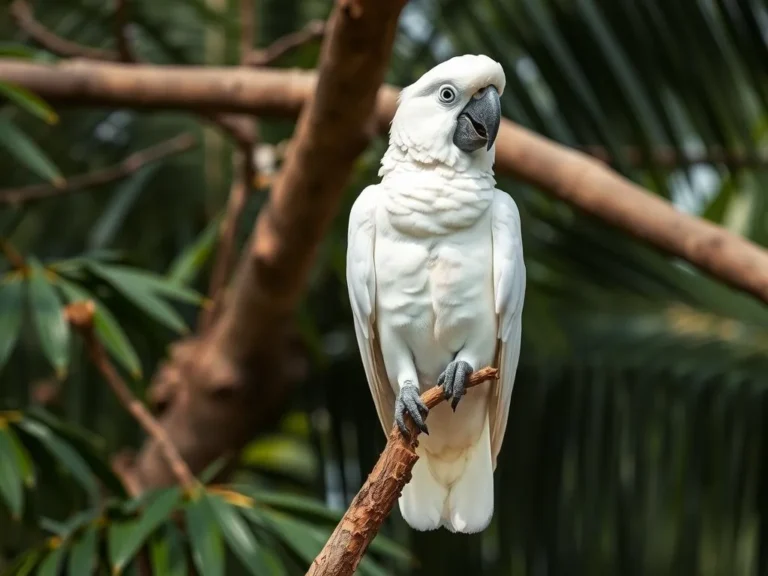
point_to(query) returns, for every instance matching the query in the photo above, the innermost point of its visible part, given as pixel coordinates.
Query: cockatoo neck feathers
(434, 201)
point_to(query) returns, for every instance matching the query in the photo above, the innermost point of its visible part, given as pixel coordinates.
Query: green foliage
(51, 287)
(113, 533)
(27, 152)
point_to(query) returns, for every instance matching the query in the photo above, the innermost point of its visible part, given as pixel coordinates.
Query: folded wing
(509, 293)
(361, 283)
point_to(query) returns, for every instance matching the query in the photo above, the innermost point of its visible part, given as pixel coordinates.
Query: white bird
(436, 282)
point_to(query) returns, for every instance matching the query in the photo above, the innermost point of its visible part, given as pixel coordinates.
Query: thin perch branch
(130, 165)
(80, 315)
(375, 500)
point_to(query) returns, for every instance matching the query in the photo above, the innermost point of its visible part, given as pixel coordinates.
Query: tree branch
(14, 258)
(247, 28)
(128, 166)
(587, 184)
(244, 177)
(375, 500)
(122, 21)
(564, 173)
(233, 125)
(22, 13)
(314, 30)
(669, 158)
(80, 315)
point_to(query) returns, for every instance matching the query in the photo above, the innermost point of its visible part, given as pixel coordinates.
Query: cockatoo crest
(429, 110)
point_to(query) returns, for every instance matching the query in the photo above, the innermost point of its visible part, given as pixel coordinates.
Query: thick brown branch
(599, 191)
(264, 92)
(314, 30)
(234, 379)
(80, 315)
(562, 172)
(231, 124)
(375, 500)
(130, 165)
(22, 13)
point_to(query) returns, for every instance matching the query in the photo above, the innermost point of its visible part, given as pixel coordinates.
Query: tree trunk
(219, 389)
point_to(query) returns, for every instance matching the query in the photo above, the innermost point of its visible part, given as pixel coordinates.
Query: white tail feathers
(466, 506)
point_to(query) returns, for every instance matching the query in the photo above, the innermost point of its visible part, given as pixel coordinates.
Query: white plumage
(436, 279)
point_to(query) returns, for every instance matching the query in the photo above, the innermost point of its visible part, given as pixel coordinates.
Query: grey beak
(479, 121)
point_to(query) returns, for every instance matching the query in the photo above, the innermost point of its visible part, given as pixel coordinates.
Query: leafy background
(635, 443)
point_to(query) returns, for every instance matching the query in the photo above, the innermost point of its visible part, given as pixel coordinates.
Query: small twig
(314, 30)
(80, 315)
(224, 260)
(238, 126)
(13, 256)
(128, 166)
(245, 123)
(375, 500)
(244, 178)
(25, 19)
(122, 465)
(247, 28)
(122, 20)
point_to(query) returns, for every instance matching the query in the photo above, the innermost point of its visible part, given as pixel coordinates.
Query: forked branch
(373, 503)
(80, 315)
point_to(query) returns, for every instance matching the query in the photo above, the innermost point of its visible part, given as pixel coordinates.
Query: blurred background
(635, 443)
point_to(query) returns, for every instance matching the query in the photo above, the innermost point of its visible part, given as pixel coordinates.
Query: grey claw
(408, 400)
(446, 380)
(454, 381)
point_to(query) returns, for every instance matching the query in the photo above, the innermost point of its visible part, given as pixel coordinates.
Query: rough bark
(217, 389)
(375, 500)
(565, 173)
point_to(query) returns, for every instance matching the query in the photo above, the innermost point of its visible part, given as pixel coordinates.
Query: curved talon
(409, 400)
(454, 381)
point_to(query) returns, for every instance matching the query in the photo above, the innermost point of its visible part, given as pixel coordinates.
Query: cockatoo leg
(409, 400)
(454, 381)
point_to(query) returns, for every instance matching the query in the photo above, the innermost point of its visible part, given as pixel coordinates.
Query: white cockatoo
(436, 282)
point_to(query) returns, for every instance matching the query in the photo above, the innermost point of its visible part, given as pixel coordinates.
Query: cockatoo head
(451, 115)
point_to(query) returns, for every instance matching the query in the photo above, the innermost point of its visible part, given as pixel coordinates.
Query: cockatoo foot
(454, 381)
(409, 400)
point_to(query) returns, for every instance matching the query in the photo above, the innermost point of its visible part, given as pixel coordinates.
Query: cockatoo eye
(447, 94)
